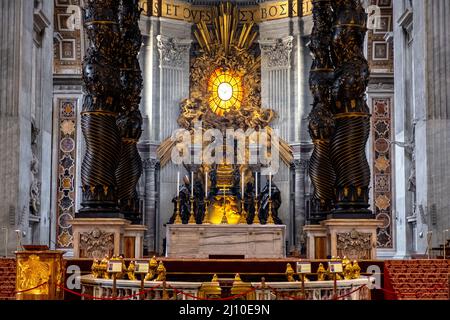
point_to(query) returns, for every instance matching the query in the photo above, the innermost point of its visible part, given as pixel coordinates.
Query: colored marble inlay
(382, 169)
(66, 172)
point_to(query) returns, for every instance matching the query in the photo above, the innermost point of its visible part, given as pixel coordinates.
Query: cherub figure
(161, 270)
(153, 265)
(321, 272)
(130, 271)
(290, 273)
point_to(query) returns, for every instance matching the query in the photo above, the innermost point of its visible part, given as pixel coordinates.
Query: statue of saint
(249, 201)
(199, 202)
(276, 203)
(185, 205)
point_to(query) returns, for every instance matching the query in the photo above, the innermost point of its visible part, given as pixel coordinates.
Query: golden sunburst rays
(225, 89)
(226, 33)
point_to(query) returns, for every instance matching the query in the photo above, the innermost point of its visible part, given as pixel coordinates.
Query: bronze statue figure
(185, 202)
(276, 203)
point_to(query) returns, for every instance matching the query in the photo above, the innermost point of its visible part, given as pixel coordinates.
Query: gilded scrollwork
(223, 48)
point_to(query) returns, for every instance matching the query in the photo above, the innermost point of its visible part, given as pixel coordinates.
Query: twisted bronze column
(351, 113)
(321, 125)
(130, 118)
(100, 108)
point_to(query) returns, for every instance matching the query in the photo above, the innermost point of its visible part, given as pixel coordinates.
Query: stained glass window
(225, 87)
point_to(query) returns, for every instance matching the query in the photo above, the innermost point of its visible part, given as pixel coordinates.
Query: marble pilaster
(25, 97)
(174, 65)
(300, 167)
(150, 166)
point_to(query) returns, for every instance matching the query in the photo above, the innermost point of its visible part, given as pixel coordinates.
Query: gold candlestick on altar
(256, 217)
(224, 217)
(177, 213)
(205, 218)
(243, 219)
(270, 219)
(192, 215)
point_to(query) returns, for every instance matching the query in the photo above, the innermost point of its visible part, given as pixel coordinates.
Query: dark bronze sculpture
(199, 203)
(249, 201)
(321, 125)
(101, 76)
(276, 203)
(129, 120)
(340, 119)
(185, 202)
(350, 110)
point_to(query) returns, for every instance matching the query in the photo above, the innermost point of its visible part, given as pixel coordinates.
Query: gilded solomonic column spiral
(351, 113)
(129, 120)
(100, 109)
(321, 125)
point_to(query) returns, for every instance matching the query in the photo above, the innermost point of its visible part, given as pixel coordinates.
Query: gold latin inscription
(180, 10)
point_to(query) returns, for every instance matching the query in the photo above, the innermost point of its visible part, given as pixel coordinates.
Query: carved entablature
(96, 244)
(276, 53)
(354, 245)
(174, 53)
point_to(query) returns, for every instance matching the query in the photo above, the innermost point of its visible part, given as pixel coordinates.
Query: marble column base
(96, 237)
(353, 238)
(203, 241)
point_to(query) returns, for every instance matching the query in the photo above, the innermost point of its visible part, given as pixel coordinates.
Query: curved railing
(102, 289)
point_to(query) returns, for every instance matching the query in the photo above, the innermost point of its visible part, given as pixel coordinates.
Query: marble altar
(202, 241)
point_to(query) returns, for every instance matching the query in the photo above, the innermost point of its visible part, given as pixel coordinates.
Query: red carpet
(7, 279)
(416, 279)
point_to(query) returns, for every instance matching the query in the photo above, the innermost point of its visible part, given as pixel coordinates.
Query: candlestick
(256, 184)
(205, 218)
(224, 217)
(243, 219)
(256, 217)
(270, 185)
(192, 184)
(242, 183)
(270, 219)
(178, 184)
(192, 215)
(206, 184)
(177, 214)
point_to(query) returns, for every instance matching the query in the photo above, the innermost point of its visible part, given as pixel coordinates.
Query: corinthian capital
(174, 53)
(300, 164)
(150, 164)
(276, 53)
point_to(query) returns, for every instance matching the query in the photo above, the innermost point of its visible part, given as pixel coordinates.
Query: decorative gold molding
(266, 11)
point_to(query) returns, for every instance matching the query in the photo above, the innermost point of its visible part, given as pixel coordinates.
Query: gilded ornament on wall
(225, 81)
